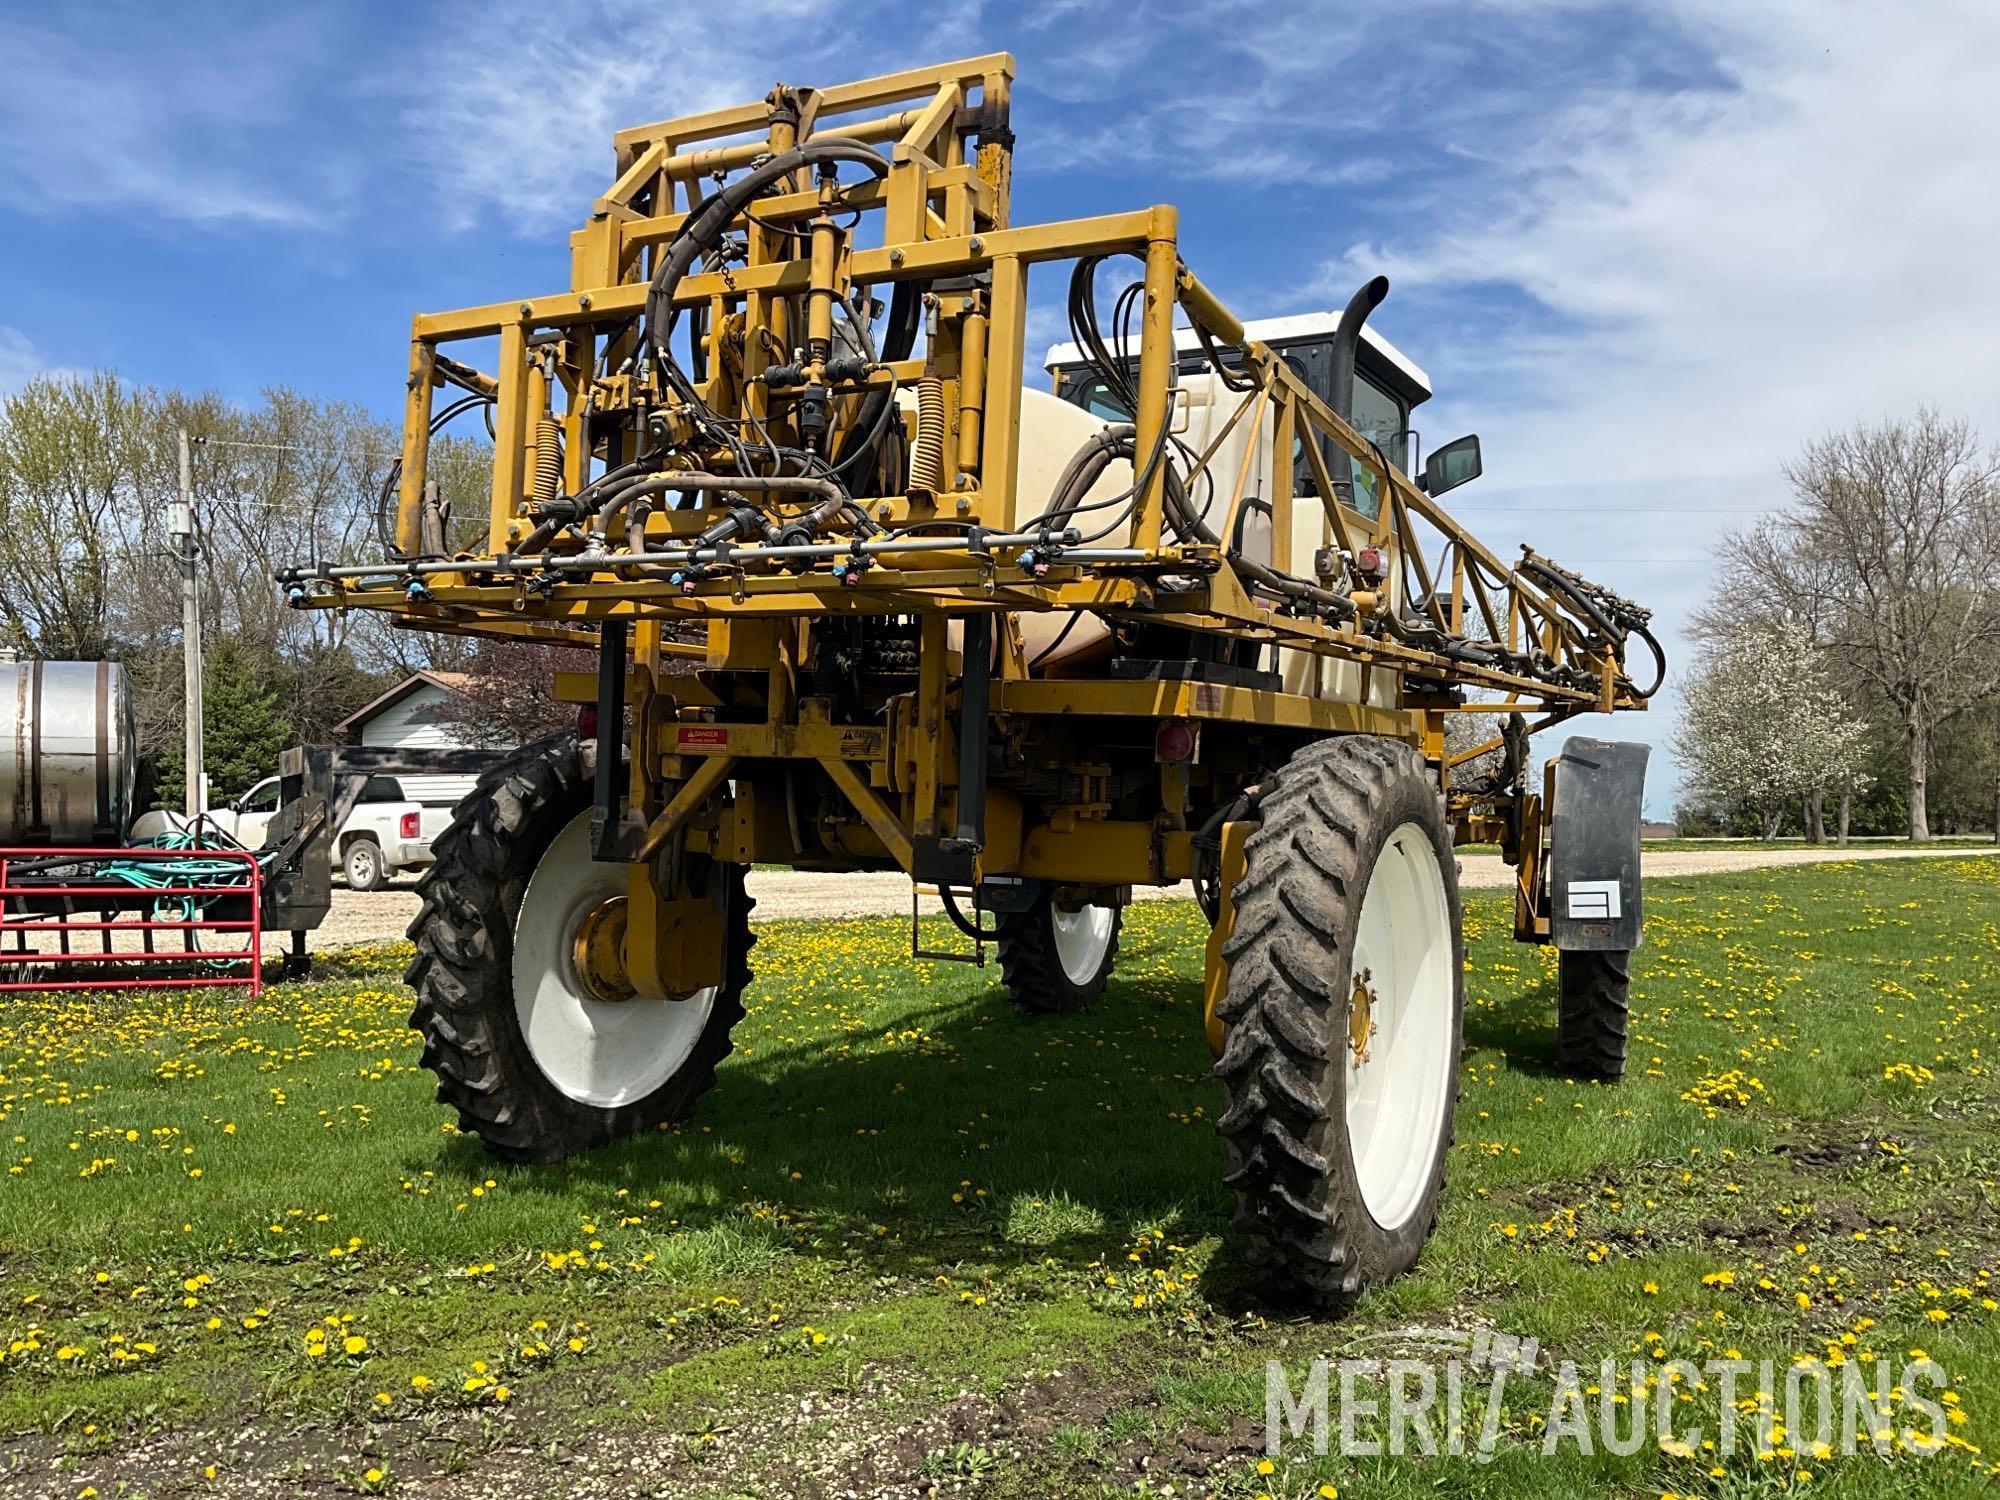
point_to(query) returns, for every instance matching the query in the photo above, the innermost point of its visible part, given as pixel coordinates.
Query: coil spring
(548, 460)
(927, 452)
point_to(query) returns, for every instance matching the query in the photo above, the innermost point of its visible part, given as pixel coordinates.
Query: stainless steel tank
(69, 755)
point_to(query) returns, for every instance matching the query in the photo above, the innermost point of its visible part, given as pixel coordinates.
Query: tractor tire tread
(1032, 971)
(1304, 869)
(1593, 1018)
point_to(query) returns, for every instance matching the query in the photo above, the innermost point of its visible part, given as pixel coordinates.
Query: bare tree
(508, 690)
(65, 447)
(88, 469)
(1889, 556)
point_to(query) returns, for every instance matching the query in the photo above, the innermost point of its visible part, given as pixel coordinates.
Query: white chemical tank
(1052, 430)
(68, 754)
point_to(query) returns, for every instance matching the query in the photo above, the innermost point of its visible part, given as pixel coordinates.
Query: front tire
(1342, 1018)
(1057, 962)
(1594, 1001)
(536, 1062)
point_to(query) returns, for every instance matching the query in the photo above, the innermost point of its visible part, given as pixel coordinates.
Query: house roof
(449, 682)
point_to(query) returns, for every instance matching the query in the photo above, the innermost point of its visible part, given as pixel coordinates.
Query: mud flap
(1594, 901)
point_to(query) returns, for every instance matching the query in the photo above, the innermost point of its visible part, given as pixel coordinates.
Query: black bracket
(616, 831)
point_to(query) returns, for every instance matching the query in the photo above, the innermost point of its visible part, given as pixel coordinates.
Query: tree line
(1848, 653)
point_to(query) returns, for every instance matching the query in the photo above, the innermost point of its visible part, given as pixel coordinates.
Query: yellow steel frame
(941, 207)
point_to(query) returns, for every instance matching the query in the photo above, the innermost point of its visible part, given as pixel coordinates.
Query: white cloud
(174, 121)
(1731, 269)
(515, 106)
(20, 360)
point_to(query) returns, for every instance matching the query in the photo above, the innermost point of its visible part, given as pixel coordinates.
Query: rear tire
(1592, 1019)
(536, 1066)
(365, 867)
(1339, 1097)
(1055, 962)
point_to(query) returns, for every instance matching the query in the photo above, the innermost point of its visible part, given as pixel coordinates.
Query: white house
(410, 715)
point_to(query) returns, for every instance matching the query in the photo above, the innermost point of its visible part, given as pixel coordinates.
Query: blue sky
(1645, 251)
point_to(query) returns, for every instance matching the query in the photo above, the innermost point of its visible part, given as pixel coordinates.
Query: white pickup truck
(385, 833)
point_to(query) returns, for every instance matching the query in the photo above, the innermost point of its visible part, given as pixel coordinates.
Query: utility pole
(182, 526)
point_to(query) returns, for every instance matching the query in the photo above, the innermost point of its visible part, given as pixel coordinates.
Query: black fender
(1594, 899)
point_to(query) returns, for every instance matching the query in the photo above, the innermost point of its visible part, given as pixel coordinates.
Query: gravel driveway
(371, 916)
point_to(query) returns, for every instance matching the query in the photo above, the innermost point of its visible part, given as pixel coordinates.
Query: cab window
(1094, 396)
(1379, 418)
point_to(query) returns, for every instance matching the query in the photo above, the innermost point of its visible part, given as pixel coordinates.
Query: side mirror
(1452, 465)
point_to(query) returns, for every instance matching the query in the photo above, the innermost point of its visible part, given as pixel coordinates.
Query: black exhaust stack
(1347, 338)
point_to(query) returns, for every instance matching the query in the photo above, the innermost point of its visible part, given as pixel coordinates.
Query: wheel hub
(597, 952)
(1361, 1017)
(592, 1042)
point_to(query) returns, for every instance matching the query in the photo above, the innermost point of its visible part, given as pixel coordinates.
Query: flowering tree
(1762, 722)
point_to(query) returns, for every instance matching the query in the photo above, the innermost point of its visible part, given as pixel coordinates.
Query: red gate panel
(143, 918)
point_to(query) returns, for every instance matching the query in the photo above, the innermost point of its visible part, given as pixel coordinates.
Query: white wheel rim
(1082, 937)
(604, 1053)
(1399, 1083)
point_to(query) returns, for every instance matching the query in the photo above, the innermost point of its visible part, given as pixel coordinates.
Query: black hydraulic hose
(1549, 579)
(832, 498)
(1554, 581)
(906, 316)
(1234, 811)
(462, 404)
(906, 306)
(1347, 339)
(565, 512)
(706, 226)
(1659, 659)
(959, 920)
(870, 423)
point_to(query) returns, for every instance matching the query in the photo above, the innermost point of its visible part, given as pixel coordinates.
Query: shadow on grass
(971, 1135)
(976, 1135)
(1522, 1028)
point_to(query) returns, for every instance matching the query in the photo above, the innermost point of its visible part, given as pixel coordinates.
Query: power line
(215, 442)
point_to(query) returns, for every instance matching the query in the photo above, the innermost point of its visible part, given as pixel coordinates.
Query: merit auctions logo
(1447, 1391)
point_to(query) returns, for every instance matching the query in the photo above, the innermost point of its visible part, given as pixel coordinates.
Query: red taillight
(586, 722)
(1173, 742)
(411, 826)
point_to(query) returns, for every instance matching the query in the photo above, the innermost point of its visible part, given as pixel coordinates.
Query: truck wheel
(538, 1062)
(1342, 1018)
(1595, 997)
(366, 869)
(1056, 962)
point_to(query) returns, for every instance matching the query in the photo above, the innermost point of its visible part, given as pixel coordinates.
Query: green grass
(1967, 841)
(900, 1242)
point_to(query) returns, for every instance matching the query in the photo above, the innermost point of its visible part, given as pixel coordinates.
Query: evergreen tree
(242, 729)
